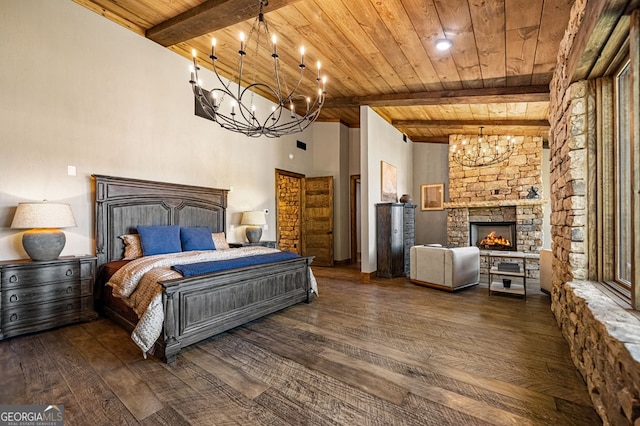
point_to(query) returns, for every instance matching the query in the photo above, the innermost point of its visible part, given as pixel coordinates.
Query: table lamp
(43, 240)
(254, 220)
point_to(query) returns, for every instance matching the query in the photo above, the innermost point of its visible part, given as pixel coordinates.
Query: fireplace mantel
(495, 203)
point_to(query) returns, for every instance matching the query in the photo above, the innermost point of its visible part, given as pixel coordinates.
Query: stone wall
(528, 219)
(604, 341)
(497, 193)
(527, 214)
(509, 180)
(602, 336)
(573, 118)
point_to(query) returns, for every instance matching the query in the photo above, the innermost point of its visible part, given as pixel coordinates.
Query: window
(614, 149)
(622, 184)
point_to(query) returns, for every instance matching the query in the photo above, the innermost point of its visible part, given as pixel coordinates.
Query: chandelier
(232, 105)
(487, 151)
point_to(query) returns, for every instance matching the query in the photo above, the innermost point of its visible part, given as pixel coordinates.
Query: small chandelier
(489, 150)
(290, 113)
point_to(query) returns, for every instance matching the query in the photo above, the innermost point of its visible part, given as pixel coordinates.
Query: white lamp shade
(253, 218)
(43, 215)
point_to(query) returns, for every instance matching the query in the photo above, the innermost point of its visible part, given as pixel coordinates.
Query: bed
(196, 307)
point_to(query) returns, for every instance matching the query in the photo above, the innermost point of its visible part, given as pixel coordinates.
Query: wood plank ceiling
(382, 53)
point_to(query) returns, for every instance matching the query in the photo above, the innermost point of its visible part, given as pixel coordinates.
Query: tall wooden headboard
(123, 203)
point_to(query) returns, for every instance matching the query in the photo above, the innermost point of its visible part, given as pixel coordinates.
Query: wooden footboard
(199, 307)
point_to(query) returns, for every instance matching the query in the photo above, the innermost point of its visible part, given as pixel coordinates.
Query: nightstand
(39, 295)
(270, 244)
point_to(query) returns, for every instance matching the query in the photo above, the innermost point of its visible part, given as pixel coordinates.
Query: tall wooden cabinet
(395, 234)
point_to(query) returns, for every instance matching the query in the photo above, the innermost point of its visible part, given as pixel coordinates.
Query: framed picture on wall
(432, 196)
(389, 184)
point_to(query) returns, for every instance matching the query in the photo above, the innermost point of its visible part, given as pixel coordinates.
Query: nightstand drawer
(40, 313)
(30, 276)
(46, 293)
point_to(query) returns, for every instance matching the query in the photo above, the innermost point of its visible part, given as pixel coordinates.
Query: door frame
(353, 214)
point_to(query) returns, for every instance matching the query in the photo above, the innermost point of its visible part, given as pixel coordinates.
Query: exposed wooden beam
(446, 97)
(207, 17)
(600, 18)
(430, 139)
(475, 123)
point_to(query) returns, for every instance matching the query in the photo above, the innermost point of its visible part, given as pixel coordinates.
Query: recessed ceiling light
(443, 44)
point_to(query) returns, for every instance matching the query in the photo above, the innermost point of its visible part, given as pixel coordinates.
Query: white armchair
(448, 269)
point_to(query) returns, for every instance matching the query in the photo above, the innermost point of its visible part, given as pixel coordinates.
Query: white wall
(379, 141)
(332, 159)
(354, 169)
(78, 89)
(354, 151)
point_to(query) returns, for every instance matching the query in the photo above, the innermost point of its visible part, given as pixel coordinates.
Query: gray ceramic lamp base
(254, 233)
(43, 244)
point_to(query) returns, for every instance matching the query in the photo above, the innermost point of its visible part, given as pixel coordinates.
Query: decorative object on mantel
(487, 150)
(292, 112)
(533, 193)
(254, 221)
(44, 240)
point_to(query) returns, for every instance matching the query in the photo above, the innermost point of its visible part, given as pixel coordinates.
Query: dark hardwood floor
(384, 353)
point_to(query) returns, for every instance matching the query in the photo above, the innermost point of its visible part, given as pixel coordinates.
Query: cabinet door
(389, 240)
(397, 241)
(383, 243)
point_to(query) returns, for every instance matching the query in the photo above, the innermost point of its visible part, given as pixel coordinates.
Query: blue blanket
(223, 265)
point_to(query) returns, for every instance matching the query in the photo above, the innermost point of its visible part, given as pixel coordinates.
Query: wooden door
(317, 219)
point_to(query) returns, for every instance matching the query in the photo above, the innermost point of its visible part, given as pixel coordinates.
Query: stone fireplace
(497, 195)
(525, 216)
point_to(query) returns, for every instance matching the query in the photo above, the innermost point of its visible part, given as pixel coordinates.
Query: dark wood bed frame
(198, 307)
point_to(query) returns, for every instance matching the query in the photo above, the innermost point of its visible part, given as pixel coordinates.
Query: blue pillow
(159, 239)
(196, 238)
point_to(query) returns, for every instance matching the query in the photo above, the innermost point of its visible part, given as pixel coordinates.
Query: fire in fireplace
(493, 235)
(493, 241)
